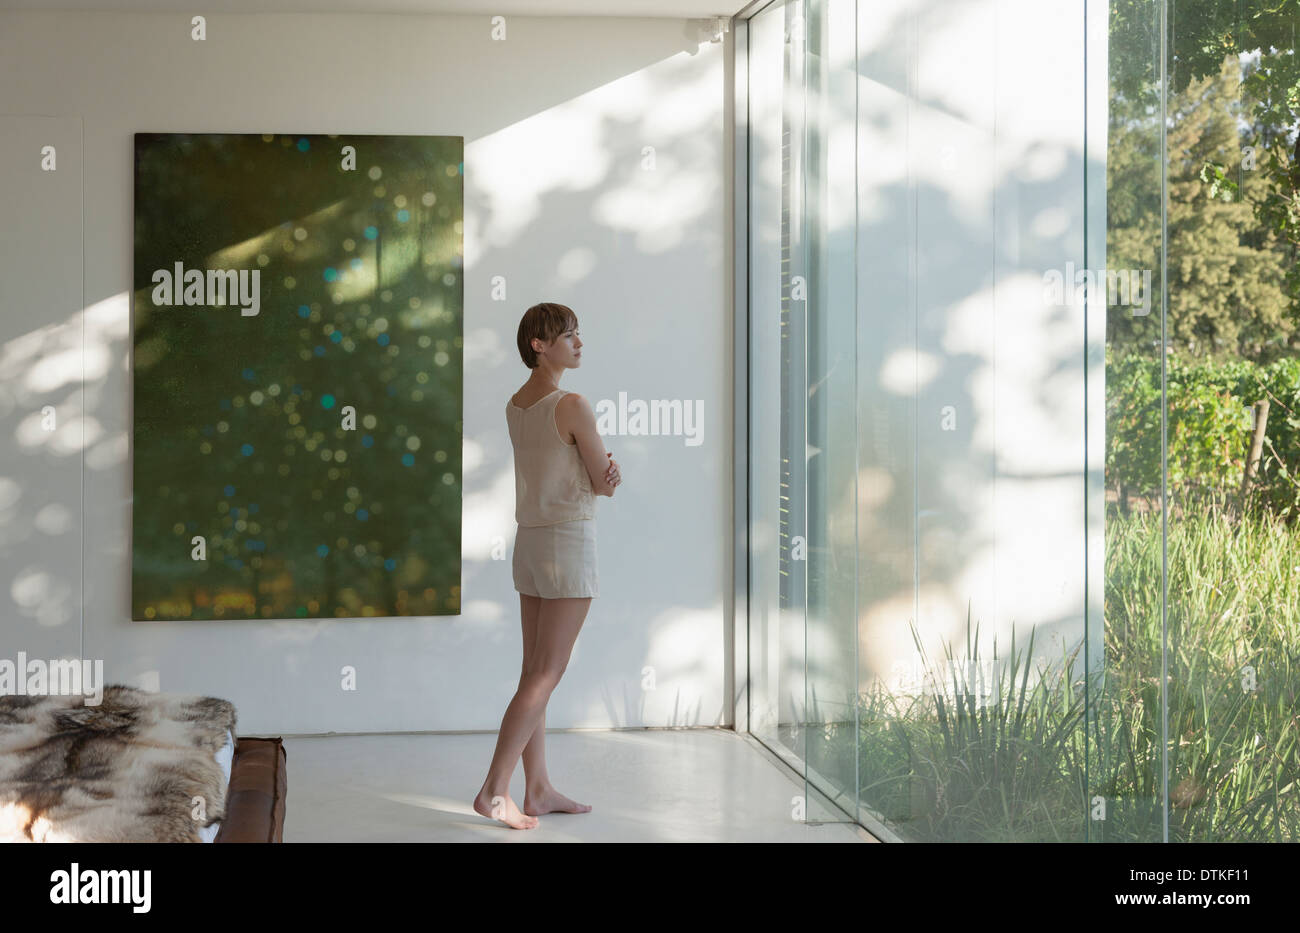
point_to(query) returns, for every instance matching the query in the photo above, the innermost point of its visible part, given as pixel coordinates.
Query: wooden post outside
(1256, 451)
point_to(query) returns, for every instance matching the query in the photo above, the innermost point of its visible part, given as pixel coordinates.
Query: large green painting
(298, 336)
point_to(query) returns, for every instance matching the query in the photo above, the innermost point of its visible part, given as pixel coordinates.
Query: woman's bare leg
(558, 624)
(534, 754)
(540, 796)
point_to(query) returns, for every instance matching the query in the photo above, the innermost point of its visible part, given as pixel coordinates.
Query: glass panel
(1232, 414)
(830, 394)
(1128, 701)
(777, 603)
(891, 778)
(973, 488)
(1023, 563)
(802, 431)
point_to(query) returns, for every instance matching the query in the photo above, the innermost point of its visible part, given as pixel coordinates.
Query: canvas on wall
(297, 330)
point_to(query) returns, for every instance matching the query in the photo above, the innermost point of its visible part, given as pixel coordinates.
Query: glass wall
(1024, 414)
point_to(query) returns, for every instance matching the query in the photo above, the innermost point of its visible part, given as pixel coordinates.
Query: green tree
(1227, 274)
(1199, 37)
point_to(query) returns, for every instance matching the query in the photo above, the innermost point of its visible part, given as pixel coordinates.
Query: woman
(559, 469)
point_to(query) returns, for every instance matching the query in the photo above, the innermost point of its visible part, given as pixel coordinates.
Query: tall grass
(1051, 758)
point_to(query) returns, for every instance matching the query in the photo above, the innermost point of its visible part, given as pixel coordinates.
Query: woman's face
(566, 349)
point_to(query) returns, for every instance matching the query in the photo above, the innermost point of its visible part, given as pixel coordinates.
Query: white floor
(696, 785)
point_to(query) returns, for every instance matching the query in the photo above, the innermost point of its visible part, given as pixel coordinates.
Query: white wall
(558, 201)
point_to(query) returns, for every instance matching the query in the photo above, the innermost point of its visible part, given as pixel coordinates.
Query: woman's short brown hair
(545, 321)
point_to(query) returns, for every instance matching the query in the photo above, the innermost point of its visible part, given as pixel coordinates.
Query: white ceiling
(675, 9)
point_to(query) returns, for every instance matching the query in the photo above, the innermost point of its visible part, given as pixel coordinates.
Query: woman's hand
(612, 475)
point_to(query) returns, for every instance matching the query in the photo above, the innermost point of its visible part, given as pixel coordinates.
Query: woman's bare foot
(502, 808)
(551, 801)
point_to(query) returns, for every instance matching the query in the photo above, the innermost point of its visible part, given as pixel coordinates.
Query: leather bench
(258, 786)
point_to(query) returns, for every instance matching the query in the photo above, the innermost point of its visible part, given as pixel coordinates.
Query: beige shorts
(556, 561)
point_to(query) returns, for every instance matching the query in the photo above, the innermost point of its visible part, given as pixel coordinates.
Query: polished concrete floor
(695, 785)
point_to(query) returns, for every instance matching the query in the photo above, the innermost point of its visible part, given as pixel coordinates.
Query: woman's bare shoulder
(573, 410)
(575, 400)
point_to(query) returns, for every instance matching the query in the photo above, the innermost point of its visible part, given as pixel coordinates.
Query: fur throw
(139, 767)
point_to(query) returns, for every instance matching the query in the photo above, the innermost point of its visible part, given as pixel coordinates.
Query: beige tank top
(551, 481)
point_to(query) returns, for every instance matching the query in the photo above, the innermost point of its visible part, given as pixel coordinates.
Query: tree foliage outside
(1199, 36)
(1230, 272)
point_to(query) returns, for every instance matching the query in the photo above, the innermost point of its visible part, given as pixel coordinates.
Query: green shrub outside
(1209, 429)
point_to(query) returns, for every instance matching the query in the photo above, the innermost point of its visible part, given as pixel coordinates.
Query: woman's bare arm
(591, 448)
